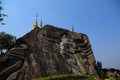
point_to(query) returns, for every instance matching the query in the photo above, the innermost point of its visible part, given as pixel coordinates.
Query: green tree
(6, 41)
(99, 67)
(2, 15)
(102, 74)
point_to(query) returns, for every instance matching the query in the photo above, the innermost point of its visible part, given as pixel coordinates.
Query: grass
(72, 77)
(67, 77)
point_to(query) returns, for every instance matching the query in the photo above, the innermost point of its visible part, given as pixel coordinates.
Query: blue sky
(99, 19)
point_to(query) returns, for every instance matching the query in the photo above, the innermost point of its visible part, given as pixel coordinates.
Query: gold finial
(37, 17)
(41, 24)
(36, 22)
(72, 28)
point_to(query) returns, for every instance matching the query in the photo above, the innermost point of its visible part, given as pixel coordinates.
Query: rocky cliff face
(48, 51)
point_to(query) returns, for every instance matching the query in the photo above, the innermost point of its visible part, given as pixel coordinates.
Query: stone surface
(48, 51)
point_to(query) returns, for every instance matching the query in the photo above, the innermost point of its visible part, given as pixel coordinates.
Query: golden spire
(72, 28)
(41, 24)
(36, 23)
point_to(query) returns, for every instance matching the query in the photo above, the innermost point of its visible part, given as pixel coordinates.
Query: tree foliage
(2, 15)
(6, 41)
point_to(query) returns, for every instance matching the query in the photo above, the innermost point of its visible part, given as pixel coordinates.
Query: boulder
(48, 51)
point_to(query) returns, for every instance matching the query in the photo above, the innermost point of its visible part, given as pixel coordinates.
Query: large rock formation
(48, 51)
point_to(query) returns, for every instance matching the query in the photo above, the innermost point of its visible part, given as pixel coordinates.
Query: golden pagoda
(72, 28)
(41, 24)
(36, 23)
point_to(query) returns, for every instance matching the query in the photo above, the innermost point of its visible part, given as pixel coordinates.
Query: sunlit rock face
(46, 52)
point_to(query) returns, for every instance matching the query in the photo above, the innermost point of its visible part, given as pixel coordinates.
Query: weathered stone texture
(48, 51)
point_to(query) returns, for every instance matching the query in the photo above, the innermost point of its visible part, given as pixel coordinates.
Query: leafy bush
(102, 74)
(111, 78)
(67, 77)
